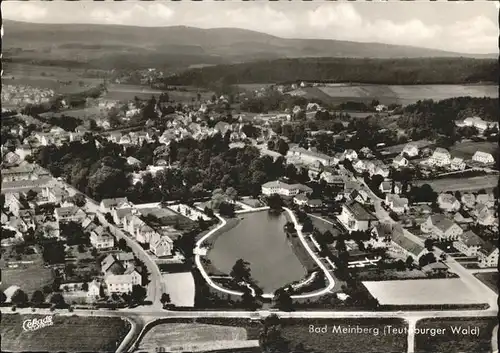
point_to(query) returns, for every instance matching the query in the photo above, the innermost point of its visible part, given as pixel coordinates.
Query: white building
(488, 256)
(448, 202)
(457, 164)
(400, 162)
(410, 149)
(355, 217)
(441, 157)
(123, 283)
(284, 189)
(483, 157)
(468, 243)
(310, 157)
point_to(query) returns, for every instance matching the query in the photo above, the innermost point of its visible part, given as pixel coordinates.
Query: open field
(125, 92)
(408, 94)
(29, 279)
(332, 341)
(192, 337)
(456, 342)
(68, 334)
(254, 86)
(461, 184)
(422, 292)
(84, 114)
(180, 287)
(490, 279)
(467, 149)
(323, 226)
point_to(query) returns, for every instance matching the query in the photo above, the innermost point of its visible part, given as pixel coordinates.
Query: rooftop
(359, 211)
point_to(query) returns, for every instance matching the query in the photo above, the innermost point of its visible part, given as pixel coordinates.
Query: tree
(19, 298)
(429, 244)
(283, 300)
(240, 271)
(85, 286)
(409, 262)
(231, 193)
(3, 297)
(307, 225)
(138, 293)
(57, 299)
(275, 202)
(426, 259)
(47, 289)
(282, 147)
(165, 299)
(79, 200)
(37, 298)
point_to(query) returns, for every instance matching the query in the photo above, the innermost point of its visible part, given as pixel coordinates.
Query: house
(398, 205)
(468, 200)
(123, 283)
(117, 263)
(350, 155)
(359, 165)
(101, 239)
(356, 217)
(120, 213)
(435, 268)
(70, 213)
(462, 218)
(440, 226)
(303, 200)
(360, 196)
(22, 172)
(468, 243)
(94, 290)
(480, 124)
(448, 202)
(457, 164)
(441, 157)
(483, 157)
(485, 216)
(284, 189)
(161, 246)
(380, 235)
(404, 246)
(381, 108)
(56, 194)
(133, 161)
(107, 205)
(410, 150)
(386, 187)
(485, 199)
(400, 162)
(12, 158)
(488, 255)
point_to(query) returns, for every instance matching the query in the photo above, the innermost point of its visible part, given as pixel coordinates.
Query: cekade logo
(36, 324)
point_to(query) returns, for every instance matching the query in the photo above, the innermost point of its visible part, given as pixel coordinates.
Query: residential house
(398, 205)
(360, 196)
(356, 217)
(387, 187)
(468, 243)
(488, 255)
(284, 189)
(119, 214)
(441, 157)
(440, 226)
(462, 218)
(100, 239)
(485, 199)
(359, 165)
(115, 136)
(483, 157)
(410, 150)
(448, 202)
(435, 268)
(22, 172)
(404, 246)
(70, 213)
(133, 161)
(161, 246)
(350, 155)
(457, 164)
(380, 235)
(377, 167)
(303, 200)
(13, 203)
(117, 263)
(94, 290)
(56, 194)
(400, 162)
(480, 124)
(107, 205)
(485, 216)
(123, 283)
(468, 200)
(12, 159)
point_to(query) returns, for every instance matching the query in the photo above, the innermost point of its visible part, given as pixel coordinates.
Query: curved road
(298, 227)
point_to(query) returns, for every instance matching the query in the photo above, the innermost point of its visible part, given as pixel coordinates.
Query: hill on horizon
(115, 46)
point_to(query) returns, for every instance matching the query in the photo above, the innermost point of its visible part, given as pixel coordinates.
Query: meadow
(68, 334)
(29, 279)
(461, 184)
(467, 149)
(490, 279)
(453, 342)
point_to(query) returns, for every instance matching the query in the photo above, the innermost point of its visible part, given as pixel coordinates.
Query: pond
(260, 240)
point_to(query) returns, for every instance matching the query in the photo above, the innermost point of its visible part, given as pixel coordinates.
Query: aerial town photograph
(249, 177)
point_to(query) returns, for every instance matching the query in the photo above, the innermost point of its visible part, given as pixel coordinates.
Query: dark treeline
(376, 71)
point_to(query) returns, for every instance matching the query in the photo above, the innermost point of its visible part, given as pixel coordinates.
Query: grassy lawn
(68, 334)
(467, 149)
(323, 226)
(299, 332)
(29, 279)
(490, 279)
(456, 342)
(462, 184)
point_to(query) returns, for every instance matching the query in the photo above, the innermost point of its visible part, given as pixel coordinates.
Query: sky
(466, 27)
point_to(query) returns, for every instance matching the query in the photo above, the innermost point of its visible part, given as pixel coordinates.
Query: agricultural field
(467, 149)
(84, 114)
(29, 278)
(456, 342)
(253, 86)
(125, 92)
(194, 337)
(389, 94)
(417, 292)
(298, 332)
(67, 334)
(490, 279)
(462, 184)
